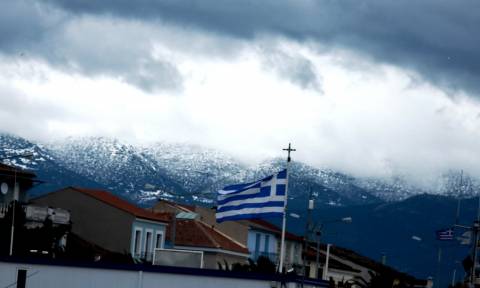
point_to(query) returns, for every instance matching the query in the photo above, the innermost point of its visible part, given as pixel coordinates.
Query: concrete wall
(93, 220)
(55, 276)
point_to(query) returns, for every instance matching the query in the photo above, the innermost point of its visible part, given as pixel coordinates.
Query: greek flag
(260, 199)
(445, 235)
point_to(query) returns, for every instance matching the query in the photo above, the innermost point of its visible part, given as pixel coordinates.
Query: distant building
(109, 221)
(219, 250)
(265, 240)
(260, 237)
(14, 184)
(346, 265)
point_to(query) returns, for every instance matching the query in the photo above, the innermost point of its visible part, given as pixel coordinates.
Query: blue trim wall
(144, 226)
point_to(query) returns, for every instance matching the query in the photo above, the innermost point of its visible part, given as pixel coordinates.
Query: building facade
(220, 251)
(109, 221)
(260, 237)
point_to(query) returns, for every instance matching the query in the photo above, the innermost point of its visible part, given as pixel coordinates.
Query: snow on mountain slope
(196, 168)
(119, 167)
(50, 173)
(193, 173)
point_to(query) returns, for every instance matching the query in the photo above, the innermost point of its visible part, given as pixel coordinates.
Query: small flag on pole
(445, 234)
(260, 199)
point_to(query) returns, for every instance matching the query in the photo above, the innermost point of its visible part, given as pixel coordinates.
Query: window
(159, 240)
(148, 241)
(137, 241)
(257, 243)
(266, 248)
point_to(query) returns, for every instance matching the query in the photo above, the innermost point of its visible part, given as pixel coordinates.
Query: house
(110, 222)
(261, 237)
(338, 270)
(346, 265)
(262, 232)
(207, 215)
(14, 184)
(219, 249)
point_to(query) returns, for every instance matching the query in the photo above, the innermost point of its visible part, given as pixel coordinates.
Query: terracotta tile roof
(121, 204)
(196, 233)
(265, 225)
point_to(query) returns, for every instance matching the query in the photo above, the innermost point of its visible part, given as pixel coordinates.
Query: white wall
(50, 276)
(42, 276)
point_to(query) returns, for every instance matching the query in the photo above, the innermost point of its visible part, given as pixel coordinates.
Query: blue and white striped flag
(445, 234)
(260, 199)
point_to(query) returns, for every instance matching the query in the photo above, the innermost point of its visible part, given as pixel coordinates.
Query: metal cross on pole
(289, 149)
(284, 222)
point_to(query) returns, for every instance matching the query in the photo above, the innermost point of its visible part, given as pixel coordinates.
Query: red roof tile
(196, 233)
(121, 204)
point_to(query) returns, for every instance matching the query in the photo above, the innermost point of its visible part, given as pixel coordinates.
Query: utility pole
(16, 193)
(327, 258)
(308, 227)
(439, 261)
(476, 226)
(318, 232)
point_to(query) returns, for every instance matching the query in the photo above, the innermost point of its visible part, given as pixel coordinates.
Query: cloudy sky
(373, 88)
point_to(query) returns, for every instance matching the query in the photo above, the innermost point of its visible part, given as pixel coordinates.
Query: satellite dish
(4, 188)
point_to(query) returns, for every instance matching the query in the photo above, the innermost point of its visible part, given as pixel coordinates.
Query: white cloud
(368, 119)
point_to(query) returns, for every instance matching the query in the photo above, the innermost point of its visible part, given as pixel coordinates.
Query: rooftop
(121, 204)
(198, 234)
(10, 170)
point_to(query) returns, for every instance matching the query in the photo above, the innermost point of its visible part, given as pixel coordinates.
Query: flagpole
(284, 222)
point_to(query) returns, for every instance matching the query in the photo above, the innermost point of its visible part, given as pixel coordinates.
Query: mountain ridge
(186, 172)
(177, 172)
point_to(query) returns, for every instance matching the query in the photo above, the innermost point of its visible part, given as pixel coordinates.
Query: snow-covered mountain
(50, 173)
(193, 173)
(383, 219)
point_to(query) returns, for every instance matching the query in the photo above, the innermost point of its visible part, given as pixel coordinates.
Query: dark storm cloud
(91, 46)
(437, 38)
(294, 68)
(22, 24)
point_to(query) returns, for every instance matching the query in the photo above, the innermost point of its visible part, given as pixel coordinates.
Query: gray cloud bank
(437, 38)
(86, 45)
